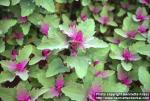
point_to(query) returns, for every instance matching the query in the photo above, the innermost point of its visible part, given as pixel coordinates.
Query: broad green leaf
(14, 2)
(23, 75)
(45, 81)
(85, 2)
(38, 92)
(36, 59)
(24, 53)
(52, 20)
(143, 49)
(104, 11)
(109, 86)
(116, 52)
(129, 24)
(5, 76)
(144, 77)
(62, 98)
(87, 27)
(2, 46)
(95, 43)
(56, 66)
(35, 18)
(8, 94)
(27, 7)
(121, 12)
(55, 40)
(103, 29)
(4, 2)
(120, 32)
(75, 91)
(99, 53)
(6, 25)
(46, 4)
(113, 23)
(25, 28)
(126, 66)
(80, 64)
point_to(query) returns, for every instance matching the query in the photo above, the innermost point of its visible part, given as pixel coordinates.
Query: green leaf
(148, 39)
(46, 4)
(6, 25)
(27, 7)
(24, 53)
(8, 94)
(80, 64)
(36, 93)
(126, 66)
(36, 59)
(113, 23)
(23, 75)
(55, 40)
(14, 2)
(103, 29)
(116, 52)
(56, 66)
(143, 49)
(144, 77)
(4, 2)
(5, 76)
(52, 20)
(75, 91)
(114, 87)
(87, 27)
(25, 28)
(61, 1)
(45, 81)
(129, 24)
(85, 2)
(2, 46)
(95, 43)
(35, 18)
(120, 32)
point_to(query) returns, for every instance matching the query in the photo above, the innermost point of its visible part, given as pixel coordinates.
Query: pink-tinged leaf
(46, 53)
(95, 10)
(18, 35)
(131, 34)
(44, 28)
(12, 65)
(104, 20)
(102, 74)
(116, 41)
(124, 78)
(140, 16)
(59, 83)
(142, 29)
(128, 56)
(23, 19)
(145, 2)
(122, 75)
(23, 96)
(14, 54)
(83, 17)
(125, 5)
(92, 92)
(20, 67)
(96, 62)
(71, 31)
(54, 92)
